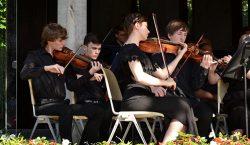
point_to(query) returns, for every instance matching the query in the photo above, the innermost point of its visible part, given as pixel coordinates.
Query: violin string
(159, 42)
(73, 57)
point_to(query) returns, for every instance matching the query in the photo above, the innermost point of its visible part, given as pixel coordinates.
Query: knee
(67, 111)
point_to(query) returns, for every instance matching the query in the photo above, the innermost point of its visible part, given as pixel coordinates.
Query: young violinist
(234, 101)
(144, 90)
(48, 79)
(190, 76)
(110, 49)
(87, 84)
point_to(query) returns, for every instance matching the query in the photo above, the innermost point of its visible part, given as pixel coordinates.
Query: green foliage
(20, 140)
(188, 139)
(2, 58)
(235, 139)
(3, 23)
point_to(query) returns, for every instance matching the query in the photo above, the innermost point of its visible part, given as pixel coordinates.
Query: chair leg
(221, 118)
(150, 130)
(139, 130)
(157, 119)
(57, 132)
(34, 128)
(51, 129)
(194, 122)
(126, 131)
(153, 127)
(225, 125)
(77, 127)
(114, 129)
(82, 123)
(212, 133)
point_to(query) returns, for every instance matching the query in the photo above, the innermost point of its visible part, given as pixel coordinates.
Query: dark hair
(91, 37)
(131, 19)
(119, 28)
(52, 32)
(176, 25)
(205, 44)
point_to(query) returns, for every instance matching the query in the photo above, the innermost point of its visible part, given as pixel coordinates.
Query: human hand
(158, 91)
(207, 60)
(213, 66)
(55, 68)
(95, 66)
(170, 83)
(184, 48)
(226, 59)
(97, 76)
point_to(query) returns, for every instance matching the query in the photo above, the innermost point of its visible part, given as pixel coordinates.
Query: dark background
(219, 20)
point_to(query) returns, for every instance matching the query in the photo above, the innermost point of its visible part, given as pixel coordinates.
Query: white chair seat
(141, 114)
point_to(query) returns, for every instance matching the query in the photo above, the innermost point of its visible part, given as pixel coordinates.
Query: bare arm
(146, 79)
(163, 73)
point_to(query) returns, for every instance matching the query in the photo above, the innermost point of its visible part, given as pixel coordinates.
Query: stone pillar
(72, 14)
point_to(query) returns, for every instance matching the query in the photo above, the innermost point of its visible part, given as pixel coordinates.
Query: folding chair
(134, 117)
(48, 119)
(221, 123)
(81, 119)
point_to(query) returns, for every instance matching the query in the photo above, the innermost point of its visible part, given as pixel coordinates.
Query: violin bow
(106, 36)
(159, 42)
(73, 57)
(196, 45)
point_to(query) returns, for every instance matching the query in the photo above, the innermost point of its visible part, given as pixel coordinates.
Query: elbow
(139, 79)
(24, 76)
(212, 82)
(69, 87)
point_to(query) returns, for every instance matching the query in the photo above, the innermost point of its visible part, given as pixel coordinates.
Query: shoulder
(36, 51)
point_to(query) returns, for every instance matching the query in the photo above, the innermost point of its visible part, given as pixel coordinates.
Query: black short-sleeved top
(131, 52)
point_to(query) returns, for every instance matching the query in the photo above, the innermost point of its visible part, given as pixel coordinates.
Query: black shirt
(45, 84)
(84, 88)
(190, 78)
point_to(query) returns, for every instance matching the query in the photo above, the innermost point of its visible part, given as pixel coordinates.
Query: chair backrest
(32, 97)
(113, 89)
(221, 91)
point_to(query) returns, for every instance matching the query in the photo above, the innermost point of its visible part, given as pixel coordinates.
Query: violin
(65, 56)
(151, 46)
(198, 52)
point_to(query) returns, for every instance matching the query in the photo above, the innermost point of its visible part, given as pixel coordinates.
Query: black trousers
(203, 110)
(99, 120)
(97, 126)
(64, 111)
(173, 107)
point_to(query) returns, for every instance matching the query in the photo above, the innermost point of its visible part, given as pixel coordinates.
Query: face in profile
(57, 44)
(143, 30)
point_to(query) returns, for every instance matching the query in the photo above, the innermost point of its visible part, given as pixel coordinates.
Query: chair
(81, 119)
(221, 123)
(134, 117)
(48, 119)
